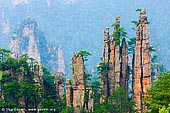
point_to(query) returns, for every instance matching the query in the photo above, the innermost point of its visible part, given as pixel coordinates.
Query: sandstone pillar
(111, 76)
(78, 80)
(116, 35)
(59, 84)
(116, 59)
(142, 66)
(105, 60)
(124, 65)
(69, 93)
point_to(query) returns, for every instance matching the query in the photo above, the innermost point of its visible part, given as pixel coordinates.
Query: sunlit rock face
(142, 65)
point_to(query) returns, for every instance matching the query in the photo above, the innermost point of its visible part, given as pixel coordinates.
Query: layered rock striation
(142, 64)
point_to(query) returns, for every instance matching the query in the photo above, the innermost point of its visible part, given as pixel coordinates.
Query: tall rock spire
(142, 66)
(124, 65)
(24, 41)
(106, 45)
(117, 52)
(75, 94)
(115, 58)
(32, 50)
(78, 75)
(59, 84)
(105, 60)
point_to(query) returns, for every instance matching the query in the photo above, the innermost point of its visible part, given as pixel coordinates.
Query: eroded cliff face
(142, 65)
(24, 42)
(28, 39)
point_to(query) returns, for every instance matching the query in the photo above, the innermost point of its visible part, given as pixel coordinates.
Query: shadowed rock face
(142, 66)
(115, 56)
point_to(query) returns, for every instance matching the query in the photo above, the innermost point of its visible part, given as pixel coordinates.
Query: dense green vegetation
(18, 88)
(159, 94)
(118, 102)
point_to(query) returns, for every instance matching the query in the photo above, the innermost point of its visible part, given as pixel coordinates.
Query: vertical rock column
(32, 50)
(111, 75)
(38, 81)
(124, 65)
(142, 66)
(69, 93)
(115, 58)
(59, 84)
(78, 80)
(61, 62)
(14, 46)
(105, 59)
(117, 53)
(38, 78)
(91, 100)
